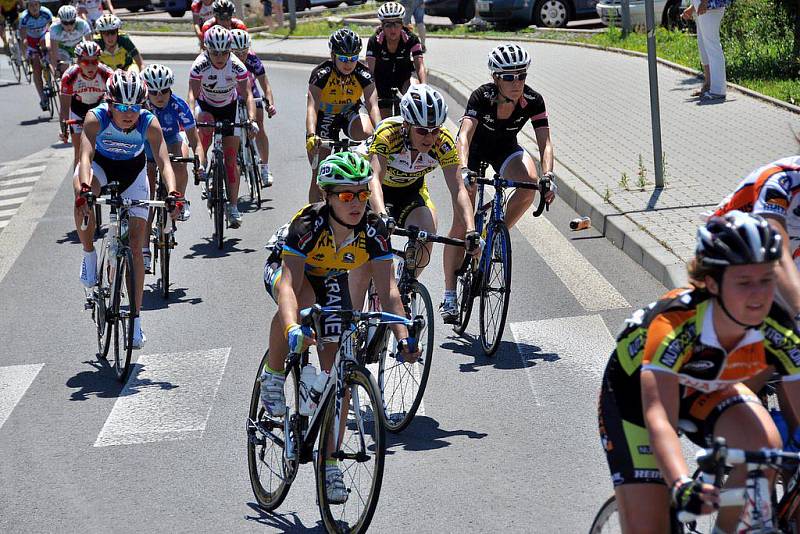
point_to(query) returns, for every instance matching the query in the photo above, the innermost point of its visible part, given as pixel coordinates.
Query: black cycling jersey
(393, 69)
(491, 131)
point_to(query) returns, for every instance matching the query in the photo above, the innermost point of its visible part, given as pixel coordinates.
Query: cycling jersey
(85, 92)
(392, 142)
(218, 86)
(174, 117)
(123, 55)
(339, 92)
(9, 12)
(201, 11)
(236, 24)
(117, 144)
(255, 68)
(675, 335)
(492, 131)
(309, 236)
(393, 69)
(66, 40)
(93, 8)
(35, 27)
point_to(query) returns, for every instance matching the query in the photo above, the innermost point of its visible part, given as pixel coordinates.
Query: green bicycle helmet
(343, 168)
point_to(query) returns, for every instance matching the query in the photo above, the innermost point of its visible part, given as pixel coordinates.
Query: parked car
(177, 8)
(458, 11)
(543, 13)
(668, 12)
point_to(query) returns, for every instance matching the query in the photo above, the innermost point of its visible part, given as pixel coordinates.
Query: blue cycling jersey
(117, 144)
(36, 27)
(173, 117)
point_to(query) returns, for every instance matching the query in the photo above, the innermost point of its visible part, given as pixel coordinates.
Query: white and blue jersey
(36, 27)
(114, 143)
(174, 118)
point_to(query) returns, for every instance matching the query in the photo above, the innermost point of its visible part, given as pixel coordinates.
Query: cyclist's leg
(520, 167)
(3, 30)
(278, 346)
(230, 146)
(422, 214)
(179, 147)
(262, 142)
(86, 236)
(36, 64)
(384, 99)
(359, 125)
(137, 222)
(75, 134)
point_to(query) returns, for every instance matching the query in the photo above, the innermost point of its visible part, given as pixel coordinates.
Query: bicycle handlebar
(340, 144)
(543, 186)
(413, 232)
(222, 124)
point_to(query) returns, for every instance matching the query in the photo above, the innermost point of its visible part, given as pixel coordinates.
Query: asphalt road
(505, 444)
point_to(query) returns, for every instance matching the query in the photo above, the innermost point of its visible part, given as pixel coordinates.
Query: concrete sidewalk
(598, 104)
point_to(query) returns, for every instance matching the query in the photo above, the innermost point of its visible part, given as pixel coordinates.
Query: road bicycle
(347, 425)
(163, 235)
(98, 213)
(490, 275)
(111, 299)
(402, 383)
(50, 83)
(759, 512)
(392, 102)
(18, 58)
(341, 145)
(217, 195)
(248, 158)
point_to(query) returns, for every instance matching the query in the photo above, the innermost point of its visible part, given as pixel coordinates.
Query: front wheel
(496, 290)
(465, 294)
(357, 449)
(403, 384)
(165, 244)
(123, 311)
(102, 307)
(271, 474)
(607, 520)
(218, 203)
(15, 61)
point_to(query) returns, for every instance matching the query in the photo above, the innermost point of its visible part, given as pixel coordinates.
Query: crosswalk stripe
(583, 343)
(13, 201)
(15, 191)
(168, 397)
(8, 212)
(4, 222)
(18, 181)
(26, 170)
(14, 382)
(581, 278)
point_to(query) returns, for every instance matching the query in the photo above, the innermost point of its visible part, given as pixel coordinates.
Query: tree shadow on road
(101, 382)
(208, 249)
(283, 522)
(509, 355)
(424, 434)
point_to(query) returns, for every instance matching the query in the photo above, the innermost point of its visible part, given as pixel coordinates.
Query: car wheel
(134, 9)
(176, 14)
(551, 13)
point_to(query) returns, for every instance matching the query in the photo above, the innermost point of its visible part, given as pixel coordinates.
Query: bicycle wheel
(52, 91)
(102, 306)
(123, 310)
(465, 282)
(360, 453)
(14, 60)
(271, 475)
(496, 290)
(607, 520)
(219, 204)
(403, 384)
(165, 248)
(255, 175)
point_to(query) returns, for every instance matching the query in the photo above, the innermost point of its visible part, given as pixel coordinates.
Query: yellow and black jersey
(392, 143)
(339, 92)
(309, 236)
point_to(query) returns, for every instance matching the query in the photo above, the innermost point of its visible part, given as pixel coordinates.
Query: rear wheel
(607, 520)
(271, 475)
(15, 60)
(165, 250)
(496, 291)
(124, 311)
(177, 13)
(219, 179)
(255, 174)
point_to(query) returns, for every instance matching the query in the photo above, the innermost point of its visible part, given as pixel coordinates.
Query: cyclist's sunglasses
(347, 59)
(421, 130)
(125, 108)
(224, 17)
(161, 92)
(88, 61)
(511, 77)
(219, 53)
(67, 22)
(110, 32)
(348, 196)
(393, 24)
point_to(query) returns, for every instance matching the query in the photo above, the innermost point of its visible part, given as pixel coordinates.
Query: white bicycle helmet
(509, 57)
(67, 14)
(108, 23)
(240, 40)
(422, 105)
(157, 77)
(126, 88)
(391, 11)
(218, 39)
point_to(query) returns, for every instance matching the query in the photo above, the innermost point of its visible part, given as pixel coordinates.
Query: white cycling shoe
(234, 217)
(449, 311)
(266, 177)
(272, 396)
(139, 338)
(334, 485)
(89, 269)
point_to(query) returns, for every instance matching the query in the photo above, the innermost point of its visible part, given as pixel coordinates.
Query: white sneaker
(89, 269)
(448, 309)
(272, 396)
(234, 217)
(266, 176)
(138, 337)
(185, 213)
(334, 485)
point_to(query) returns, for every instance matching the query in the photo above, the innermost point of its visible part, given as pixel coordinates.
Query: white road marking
(15, 191)
(547, 348)
(14, 382)
(168, 398)
(18, 181)
(9, 211)
(26, 170)
(589, 287)
(15, 201)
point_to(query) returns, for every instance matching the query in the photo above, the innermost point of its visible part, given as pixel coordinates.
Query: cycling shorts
(35, 47)
(131, 176)
(330, 125)
(627, 444)
(498, 156)
(224, 113)
(332, 291)
(401, 201)
(178, 138)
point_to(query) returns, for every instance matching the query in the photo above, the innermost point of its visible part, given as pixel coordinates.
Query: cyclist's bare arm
(266, 89)
(660, 398)
(371, 65)
(465, 133)
(312, 105)
(787, 273)
(88, 137)
(379, 164)
(289, 286)
(458, 193)
(66, 103)
(545, 148)
(419, 66)
(371, 100)
(139, 61)
(243, 88)
(383, 277)
(194, 142)
(194, 91)
(161, 154)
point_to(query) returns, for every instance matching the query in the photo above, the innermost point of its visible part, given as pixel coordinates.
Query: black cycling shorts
(401, 201)
(124, 171)
(224, 113)
(330, 125)
(497, 155)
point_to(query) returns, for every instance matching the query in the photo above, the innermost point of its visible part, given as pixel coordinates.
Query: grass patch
(137, 25)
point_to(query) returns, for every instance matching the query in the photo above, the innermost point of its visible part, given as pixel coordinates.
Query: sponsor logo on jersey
(644, 449)
(776, 198)
(349, 258)
(677, 346)
(303, 241)
(699, 365)
(654, 474)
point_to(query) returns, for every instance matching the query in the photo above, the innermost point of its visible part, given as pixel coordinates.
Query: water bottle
(319, 386)
(308, 377)
(581, 223)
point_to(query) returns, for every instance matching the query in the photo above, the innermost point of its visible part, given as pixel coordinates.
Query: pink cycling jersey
(218, 86)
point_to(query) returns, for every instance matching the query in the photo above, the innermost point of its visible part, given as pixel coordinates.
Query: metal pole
(655, 113)
(626, 17)
(292, 15)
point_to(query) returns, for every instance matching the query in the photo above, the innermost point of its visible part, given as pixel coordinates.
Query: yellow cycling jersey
(122, 57)
(339, 92)
(8, 5)
(392, 142)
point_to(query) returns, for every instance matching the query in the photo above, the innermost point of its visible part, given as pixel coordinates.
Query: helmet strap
(721, 301)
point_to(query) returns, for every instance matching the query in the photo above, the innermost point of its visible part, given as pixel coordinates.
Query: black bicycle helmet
(345, 42)
(223, 8)
(737, 238)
